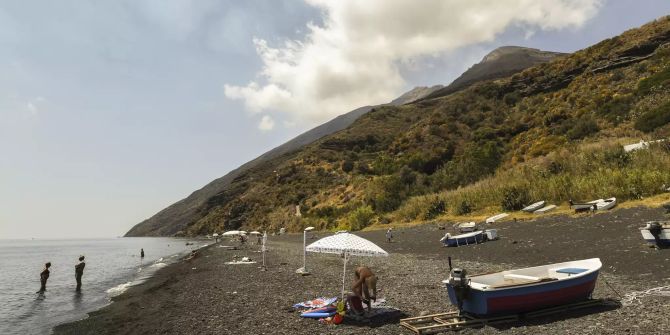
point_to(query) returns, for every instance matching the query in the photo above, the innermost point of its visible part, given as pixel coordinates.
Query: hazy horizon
(111, 111)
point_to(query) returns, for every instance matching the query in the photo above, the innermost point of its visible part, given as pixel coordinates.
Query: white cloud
(356, 56)
(33, 106)
(267, 123)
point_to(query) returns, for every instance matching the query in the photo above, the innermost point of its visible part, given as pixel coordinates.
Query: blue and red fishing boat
(523, 290)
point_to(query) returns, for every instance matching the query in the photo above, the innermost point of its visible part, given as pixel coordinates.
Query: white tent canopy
(255, 233)
(231, 233)
(347, 244)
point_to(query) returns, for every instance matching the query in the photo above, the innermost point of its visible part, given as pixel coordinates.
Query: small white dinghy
(466, 227)
(496, 217)
(606, 204)
(545, 209)
(533, 207)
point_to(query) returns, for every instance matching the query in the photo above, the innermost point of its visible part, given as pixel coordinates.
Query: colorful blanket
(316, 303)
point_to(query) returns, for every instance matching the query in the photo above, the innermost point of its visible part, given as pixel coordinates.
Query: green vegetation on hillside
(552, 132)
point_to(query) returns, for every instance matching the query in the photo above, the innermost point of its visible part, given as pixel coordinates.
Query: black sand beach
(205, 296)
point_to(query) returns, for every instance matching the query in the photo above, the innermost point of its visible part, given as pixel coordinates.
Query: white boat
(465, 227)
(523, 290)
(474, 237)
(606, 204)
(533, 207)
(657, 233)
(545, 209)
(496, 217)
(599, 204)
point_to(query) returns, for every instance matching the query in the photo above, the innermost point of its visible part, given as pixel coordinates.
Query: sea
(112, 266)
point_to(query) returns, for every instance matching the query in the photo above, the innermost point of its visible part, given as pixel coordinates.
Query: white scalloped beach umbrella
(231, 233)
(347, 244)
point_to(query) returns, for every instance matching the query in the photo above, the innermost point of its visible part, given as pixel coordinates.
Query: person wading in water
(44, 275)
(79, 271)
(142, 253)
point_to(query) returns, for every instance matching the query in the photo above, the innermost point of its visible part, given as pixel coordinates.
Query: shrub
(360, 217)
(436, 208)
(616, 110)
(658, 79)
(514, 198)
(582, 128)
(654, 118)
(347, 166)
(464, 208)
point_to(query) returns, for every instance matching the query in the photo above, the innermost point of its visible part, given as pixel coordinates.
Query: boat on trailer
(533, 207)
(657, 233)
(523, 290)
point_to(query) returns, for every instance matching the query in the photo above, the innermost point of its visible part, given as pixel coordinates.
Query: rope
(630, 298)
(612, 288)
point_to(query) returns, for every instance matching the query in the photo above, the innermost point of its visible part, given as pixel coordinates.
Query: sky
(111, 110)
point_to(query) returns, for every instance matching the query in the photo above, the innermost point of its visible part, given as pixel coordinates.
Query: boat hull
(533, 207)
(526, 298)
(663, 237)
(458, 240)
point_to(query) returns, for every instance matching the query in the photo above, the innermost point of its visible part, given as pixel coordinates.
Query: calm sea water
(112, 265)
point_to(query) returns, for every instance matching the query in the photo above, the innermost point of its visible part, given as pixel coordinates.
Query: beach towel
(240, 262)
(316, 303)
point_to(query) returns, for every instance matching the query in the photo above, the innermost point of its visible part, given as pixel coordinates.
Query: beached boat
(533, 207)
(496, 217)
(657, 233)
(463, 239)
(523, 290)
(466, 227)
(599, 204)
(545, 209)
(606, 204)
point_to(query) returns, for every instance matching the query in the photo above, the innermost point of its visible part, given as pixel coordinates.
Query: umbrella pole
(304, 250)
(344, 273)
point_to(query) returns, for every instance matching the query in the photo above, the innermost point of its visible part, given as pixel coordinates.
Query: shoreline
(202, 295)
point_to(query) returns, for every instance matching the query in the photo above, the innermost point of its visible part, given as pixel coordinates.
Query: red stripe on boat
(533, 301)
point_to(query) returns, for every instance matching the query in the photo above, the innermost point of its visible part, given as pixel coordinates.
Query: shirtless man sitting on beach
(365, 280)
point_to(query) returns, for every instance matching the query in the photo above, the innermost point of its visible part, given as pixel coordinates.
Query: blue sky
(112, 110)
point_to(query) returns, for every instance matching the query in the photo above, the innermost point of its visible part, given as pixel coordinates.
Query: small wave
(118, 289)
(158, 265)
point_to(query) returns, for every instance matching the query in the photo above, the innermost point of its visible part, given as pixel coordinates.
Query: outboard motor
(458, 279)
(655, 229)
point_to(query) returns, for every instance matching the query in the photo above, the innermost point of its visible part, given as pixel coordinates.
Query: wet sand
(205, 296)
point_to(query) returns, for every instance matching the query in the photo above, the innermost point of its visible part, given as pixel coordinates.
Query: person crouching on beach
(44, 275)
(79, 271)
(365, 280)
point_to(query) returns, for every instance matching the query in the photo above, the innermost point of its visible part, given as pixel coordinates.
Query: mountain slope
(175, 217)
(501, 62)
(420, 160)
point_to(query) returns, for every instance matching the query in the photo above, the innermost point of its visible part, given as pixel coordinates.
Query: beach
(203, 295)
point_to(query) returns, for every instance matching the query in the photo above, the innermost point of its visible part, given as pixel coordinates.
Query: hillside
(548, 132)
(501, 62)
(176, 217)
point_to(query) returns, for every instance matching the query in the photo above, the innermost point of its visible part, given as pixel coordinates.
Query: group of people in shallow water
(78, 273)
